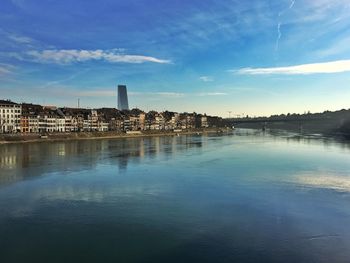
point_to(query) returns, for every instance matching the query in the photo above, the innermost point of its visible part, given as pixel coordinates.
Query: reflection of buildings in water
(8, 157)
(142, 149)
(174, 145)
(157, 145)
(18, 161)
(130, 149)
(61, 150)
(35, 159)
(9, 160)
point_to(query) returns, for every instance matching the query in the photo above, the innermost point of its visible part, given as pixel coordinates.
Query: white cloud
(161, 94)
(212, 94)
(95, 93)
(206, 78)
(304, 69)
(177, 94)
(67, 56)
(169, 94)
(20, 39)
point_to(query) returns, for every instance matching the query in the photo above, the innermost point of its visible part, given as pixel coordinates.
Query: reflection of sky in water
(325, 181)
(243, 198)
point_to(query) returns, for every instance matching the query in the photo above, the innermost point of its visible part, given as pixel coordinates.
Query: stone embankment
(24, 138)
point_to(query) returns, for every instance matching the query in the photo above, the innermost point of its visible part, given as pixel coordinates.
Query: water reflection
(328, 181)
(242, 197)
(293, 137)
(18, 161)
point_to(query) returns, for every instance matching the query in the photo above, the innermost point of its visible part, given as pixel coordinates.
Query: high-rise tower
(122, 98)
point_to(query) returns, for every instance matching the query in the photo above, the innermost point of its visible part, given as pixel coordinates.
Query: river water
(248, 196)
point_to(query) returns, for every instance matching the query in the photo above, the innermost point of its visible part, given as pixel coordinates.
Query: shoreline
(60, 137)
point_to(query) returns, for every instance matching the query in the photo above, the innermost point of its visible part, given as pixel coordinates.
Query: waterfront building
(142, 121)
(116, 124)
(47, 122)
(10, 116)
(31, 118)
(103, 126)
(60, 124)
(33, 124)
(69, 123)
(24, 123)
(123, 103)
(160, 122)
(175, 121)
(93, 120)
(86, 125)
(204, 122)
(135, 123)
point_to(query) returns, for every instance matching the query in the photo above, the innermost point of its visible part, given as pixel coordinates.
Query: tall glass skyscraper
(123, 103)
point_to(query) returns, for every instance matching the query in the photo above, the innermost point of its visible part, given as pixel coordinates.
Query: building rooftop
(7, 102)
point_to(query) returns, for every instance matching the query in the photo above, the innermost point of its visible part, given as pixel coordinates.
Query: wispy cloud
(338, 47)
(206, 78)
(112, 93)
(60, 81)
(94, 93)
(211, 94)
(5, 69)
(67, 56)
(177, 94)
(161, 94)
(20, 39)
(304, 69)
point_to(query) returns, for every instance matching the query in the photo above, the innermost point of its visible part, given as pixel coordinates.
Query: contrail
(279, 32)
(292, 4)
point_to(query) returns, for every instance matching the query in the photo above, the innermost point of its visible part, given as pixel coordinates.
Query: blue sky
(250, 57)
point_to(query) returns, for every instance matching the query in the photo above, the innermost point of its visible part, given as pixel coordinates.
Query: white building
(10, 117)
(60, 124)
(103, 126)
(71, 123)
(51, 123)
(204, 122)
(33, 124)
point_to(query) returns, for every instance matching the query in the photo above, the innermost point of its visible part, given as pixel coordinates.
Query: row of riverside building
(32, 118)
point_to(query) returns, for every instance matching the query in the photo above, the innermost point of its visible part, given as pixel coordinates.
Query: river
(249, 196)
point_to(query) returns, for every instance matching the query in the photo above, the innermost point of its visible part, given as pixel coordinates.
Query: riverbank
(51, 137)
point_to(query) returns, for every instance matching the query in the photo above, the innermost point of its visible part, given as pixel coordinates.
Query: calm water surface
(245, 197)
